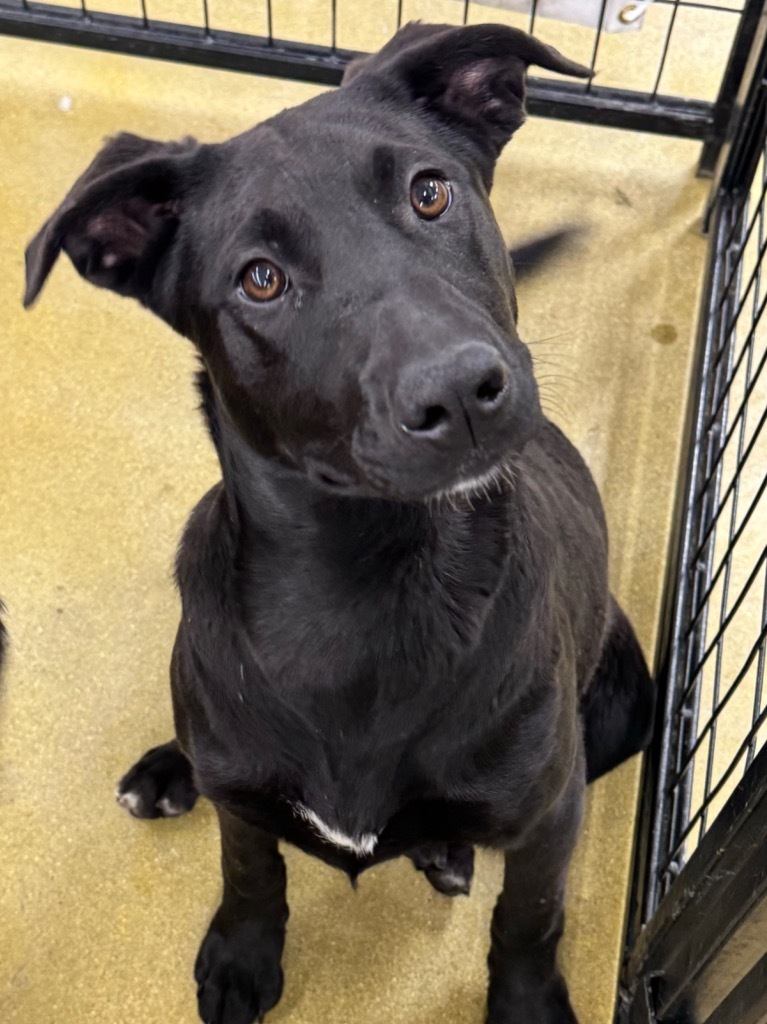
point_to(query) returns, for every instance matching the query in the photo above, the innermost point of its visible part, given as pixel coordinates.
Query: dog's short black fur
(396, 625)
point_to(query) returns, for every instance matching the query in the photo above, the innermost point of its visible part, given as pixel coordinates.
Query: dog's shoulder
(206, 550)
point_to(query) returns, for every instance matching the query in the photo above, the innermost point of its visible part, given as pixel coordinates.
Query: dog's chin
(483, 485)
(463, 487)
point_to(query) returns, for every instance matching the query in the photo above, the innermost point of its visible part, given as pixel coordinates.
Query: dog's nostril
(433, 417)
(491, 387)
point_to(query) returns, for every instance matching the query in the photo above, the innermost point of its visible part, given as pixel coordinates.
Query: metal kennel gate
(697, 929)
(195, 36)
(697, 951)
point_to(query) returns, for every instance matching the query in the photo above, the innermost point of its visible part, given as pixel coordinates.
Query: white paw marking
(453, 880)
(363, 845)
(168, 808)
(130, 801)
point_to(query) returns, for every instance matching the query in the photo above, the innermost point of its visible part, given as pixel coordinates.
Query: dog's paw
(238, 973)
(449, 867)
(159, 785)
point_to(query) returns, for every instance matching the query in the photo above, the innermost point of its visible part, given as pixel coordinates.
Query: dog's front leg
(238, 970)
(526, 986)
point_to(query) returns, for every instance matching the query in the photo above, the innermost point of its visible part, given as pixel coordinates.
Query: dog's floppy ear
(472, 76)
(118, 219)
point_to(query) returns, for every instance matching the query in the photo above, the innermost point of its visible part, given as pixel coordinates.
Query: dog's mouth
(495, 481)
(466, 485)
(330, 478)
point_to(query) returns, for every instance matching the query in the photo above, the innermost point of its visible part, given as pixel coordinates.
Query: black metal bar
(752, 384)
(720, 895)
(722, 450)
(736, 537)
(747, 1003)
(759, 684)
(697, 929)
(742, 750)
(724, 125)
(717, 418)
(744, 296)
(740, 143)
(184, 44)
(666, 45)
(712, 980)
(721, 705)
(617, 108)
(597, 40)
(690, 643)
(640, 1009)
(757, 265)
(730, 615)
(739, 468)
(725, 616)
(757, 215)
(696, 6)
(655, 812)
(744, 198)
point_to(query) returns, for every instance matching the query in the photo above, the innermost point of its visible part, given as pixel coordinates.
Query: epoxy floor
(103, 456)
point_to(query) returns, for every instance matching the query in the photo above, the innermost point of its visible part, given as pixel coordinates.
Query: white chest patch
(363, 845)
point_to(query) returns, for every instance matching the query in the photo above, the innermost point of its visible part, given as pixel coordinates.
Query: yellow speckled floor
(104, 455)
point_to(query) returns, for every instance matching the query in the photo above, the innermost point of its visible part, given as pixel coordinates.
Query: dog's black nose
(456, 398)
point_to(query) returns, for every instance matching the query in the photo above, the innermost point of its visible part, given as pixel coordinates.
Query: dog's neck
(395, 553)
(274, 506)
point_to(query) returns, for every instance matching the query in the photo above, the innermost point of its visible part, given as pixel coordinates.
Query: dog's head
(338, 266)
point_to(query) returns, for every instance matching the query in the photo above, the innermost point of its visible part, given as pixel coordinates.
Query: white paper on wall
(619, 15)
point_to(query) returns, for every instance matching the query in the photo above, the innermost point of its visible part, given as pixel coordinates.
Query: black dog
(396, 629)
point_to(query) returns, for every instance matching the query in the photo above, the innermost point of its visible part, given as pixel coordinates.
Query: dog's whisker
(539, 360)
(550, 337)
(558, 377)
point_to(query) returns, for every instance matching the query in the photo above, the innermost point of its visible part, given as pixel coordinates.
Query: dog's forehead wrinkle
(325, 169)
(341, 132)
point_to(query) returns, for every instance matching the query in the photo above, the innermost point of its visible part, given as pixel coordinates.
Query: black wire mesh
(636, 46)
(196, 17)
(717, 701)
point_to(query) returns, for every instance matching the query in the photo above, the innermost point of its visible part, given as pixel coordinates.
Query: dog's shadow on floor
(372, 954)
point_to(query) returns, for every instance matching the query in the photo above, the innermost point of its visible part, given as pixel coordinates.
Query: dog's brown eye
(263, 281)
(430, 196)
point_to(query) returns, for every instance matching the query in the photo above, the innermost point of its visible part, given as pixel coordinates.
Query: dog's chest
(361, 819)
(350, 681)
(361, 845)
(334, 767)
(357, 774)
